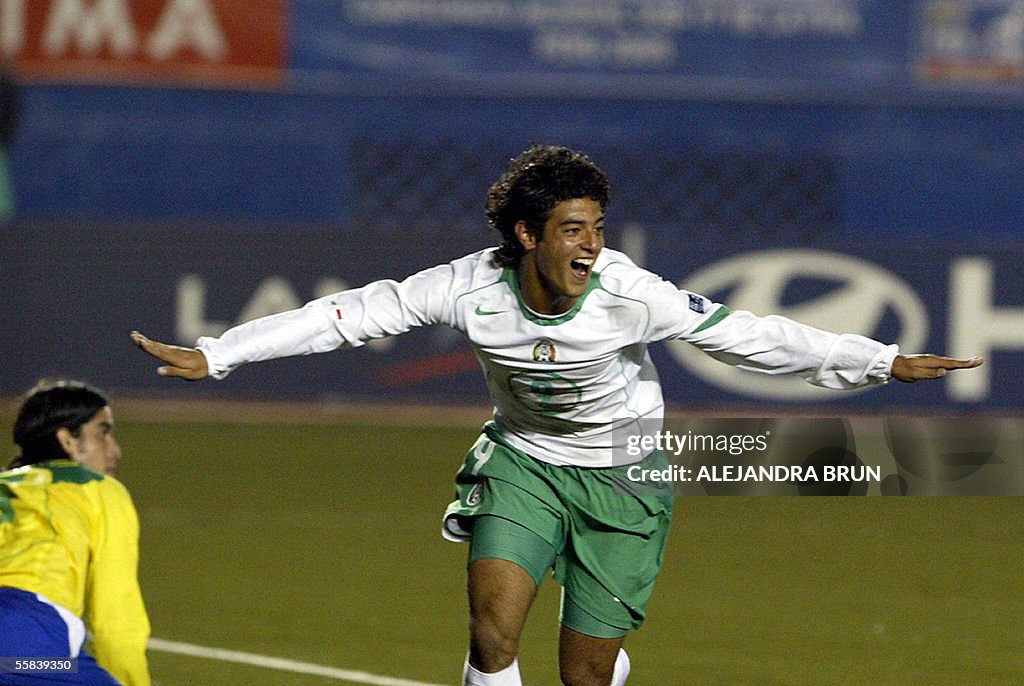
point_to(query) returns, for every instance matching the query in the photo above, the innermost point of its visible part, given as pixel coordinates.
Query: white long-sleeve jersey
(561, 385)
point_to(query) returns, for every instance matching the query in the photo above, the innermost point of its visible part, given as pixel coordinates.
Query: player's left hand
(911, 368)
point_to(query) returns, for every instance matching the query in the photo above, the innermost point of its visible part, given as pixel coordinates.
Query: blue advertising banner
(524, 41)
(776, 49)
(756, 49)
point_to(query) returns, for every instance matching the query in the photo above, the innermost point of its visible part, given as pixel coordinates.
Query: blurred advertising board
(778, 49)
(74, 293)
(524, 43)
(971, 42)
(180, 42)
(756, 49)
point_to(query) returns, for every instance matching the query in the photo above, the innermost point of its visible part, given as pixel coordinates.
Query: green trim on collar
(508, 275)
(69, 470)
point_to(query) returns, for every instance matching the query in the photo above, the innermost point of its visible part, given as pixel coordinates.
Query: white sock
(621, 668)
(509, 676)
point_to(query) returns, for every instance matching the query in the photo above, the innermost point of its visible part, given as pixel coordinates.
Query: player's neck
(538, 295)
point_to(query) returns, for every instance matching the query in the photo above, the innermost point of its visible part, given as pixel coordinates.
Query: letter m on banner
(229, 43)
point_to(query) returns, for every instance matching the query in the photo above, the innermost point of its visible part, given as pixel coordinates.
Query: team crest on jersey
(544, 351)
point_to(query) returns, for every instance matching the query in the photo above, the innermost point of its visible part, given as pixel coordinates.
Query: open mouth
(581, 267)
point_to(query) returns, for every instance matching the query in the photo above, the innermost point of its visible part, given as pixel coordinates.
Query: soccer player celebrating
(561, 327)
(69, 546)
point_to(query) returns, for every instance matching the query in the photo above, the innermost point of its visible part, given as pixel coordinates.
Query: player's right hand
(185, 363)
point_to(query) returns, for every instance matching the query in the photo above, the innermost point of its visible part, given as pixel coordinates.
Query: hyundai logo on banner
(859, 296)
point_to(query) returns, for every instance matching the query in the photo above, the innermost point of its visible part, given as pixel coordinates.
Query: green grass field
(320, 543)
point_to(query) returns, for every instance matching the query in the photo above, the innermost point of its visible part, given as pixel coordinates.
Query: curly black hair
(535, 181)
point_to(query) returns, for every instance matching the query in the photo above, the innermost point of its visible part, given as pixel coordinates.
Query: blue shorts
(32, 628)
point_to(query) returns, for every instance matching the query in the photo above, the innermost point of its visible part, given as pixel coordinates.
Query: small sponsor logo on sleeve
(697, 304)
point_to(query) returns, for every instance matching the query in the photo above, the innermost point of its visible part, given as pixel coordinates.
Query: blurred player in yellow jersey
(69, 545)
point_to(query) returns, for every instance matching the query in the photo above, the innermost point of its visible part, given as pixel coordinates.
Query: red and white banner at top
(192, 42)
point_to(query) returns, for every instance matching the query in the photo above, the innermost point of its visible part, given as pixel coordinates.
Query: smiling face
(554, 271)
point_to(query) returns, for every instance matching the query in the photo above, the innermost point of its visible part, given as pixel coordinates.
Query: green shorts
(603, 537)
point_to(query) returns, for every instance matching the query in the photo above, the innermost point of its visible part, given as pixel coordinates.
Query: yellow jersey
(72, 535)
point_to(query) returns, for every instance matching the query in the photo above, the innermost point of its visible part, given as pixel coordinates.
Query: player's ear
(525, 236)
(67, 441)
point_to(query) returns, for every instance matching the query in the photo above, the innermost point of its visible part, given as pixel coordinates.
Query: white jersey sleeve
(777, 345)
(770, 344)
(346, 319)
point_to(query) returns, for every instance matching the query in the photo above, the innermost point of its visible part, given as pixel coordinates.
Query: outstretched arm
(346, 319)
(775, 345)
(911, 368)
(186, 363)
